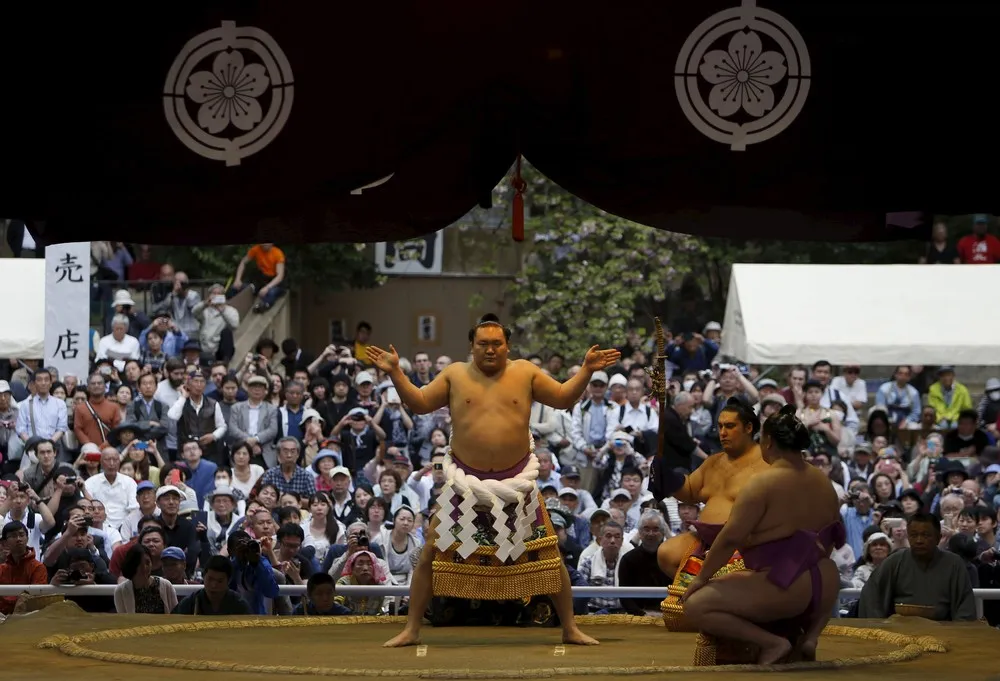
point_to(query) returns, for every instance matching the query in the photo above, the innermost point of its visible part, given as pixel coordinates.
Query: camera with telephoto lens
(705, 374)
(76, 576)
(363, 538)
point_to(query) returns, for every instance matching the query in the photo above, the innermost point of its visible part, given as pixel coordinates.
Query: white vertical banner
(67, 308)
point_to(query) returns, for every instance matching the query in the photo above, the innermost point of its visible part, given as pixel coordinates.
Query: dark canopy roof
(895, 114)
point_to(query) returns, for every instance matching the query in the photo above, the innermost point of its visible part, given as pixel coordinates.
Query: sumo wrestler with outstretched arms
(491, 538)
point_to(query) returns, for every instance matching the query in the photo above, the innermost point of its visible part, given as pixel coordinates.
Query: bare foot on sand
(807, 651)
(405, 638)
(774, 654)
(577, 638)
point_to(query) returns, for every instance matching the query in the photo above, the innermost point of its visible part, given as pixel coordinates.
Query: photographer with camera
(358, 539)
(57, 484)
(857, 515)
(179, 305)
(27, 508)
(82, 569)
(693, 353)
(253, 578)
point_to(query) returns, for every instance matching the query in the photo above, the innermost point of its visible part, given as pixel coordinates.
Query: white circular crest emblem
(726, 56)
(218, 88)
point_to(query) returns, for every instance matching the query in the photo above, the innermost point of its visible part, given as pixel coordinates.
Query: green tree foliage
(329, 266)
(588, 271)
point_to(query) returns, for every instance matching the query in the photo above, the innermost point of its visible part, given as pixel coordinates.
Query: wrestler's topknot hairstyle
(489, 319)
(786, 430)
(743, 411)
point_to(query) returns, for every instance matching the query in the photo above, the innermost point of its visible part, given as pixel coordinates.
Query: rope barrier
(908, 648)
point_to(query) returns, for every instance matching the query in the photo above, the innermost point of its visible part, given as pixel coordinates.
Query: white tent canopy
(22, 331)
(863, 314)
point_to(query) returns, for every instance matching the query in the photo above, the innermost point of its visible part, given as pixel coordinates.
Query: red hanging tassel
(517, 216)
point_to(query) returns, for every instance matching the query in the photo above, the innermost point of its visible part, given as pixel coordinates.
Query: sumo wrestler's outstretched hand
(598, 359)
(386, 361)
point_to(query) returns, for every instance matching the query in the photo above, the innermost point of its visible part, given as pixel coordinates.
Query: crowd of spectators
(165, 467)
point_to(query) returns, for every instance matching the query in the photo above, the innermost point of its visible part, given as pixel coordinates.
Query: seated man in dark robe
(920, 579)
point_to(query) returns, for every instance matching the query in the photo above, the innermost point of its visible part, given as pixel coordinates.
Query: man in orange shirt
(270, 264)
(94, 419)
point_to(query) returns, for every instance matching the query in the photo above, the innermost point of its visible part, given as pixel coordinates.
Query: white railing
(291, 590)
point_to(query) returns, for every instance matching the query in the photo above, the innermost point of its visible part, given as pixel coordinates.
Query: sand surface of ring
(971, 649)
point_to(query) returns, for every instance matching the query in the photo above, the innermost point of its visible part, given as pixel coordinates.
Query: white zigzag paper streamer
(504, 545)
(530, 513)
(445, 523)
(468, 525)
(522, 524)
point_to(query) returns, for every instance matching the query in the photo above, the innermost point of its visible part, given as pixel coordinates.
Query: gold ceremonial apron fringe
(483, 576)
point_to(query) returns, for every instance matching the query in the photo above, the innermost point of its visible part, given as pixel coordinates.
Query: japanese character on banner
(68, 345)
(69, 270)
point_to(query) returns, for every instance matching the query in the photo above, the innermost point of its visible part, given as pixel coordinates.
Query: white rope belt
(494, 495)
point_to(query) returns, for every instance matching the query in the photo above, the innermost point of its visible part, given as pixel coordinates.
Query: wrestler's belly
(490, 441)
(717, 510)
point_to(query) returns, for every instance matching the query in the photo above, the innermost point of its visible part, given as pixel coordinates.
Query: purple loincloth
(493, 475)
(791, 556)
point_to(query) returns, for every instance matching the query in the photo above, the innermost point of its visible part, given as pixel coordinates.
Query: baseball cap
(311, 414)
(187, 506)
(775, 398)
(621, 492)
(257, 380)
(570, 491)
(167, 489)
(712, 326)
(992, 384)
(358, 411)
(599, 377)
(222, 491)
(767, 383)
(326, 454)
(550, 485)
(144, 485)
(340, 470)
(569, 472)
(4, 387)
(598, 511)
(172, 553)
(617, 379)
(363, 377)
(558, 520)
(993, 468)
